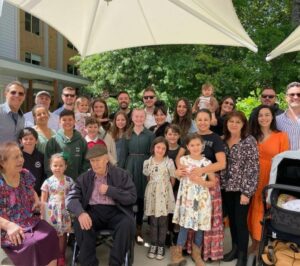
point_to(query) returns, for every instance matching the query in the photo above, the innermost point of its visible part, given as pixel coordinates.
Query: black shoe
(233, 254)
(242, 259)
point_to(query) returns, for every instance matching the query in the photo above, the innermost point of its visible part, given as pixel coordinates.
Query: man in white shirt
(149, 99)
(289, 121)
(43, 98)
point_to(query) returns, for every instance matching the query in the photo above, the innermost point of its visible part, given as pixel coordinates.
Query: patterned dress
(159, 196)
(193, 205)
(56, 213)
(16, 203)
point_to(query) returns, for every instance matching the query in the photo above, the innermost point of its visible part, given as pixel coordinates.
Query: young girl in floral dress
(54, 191)
(159, 197)
(193, 205)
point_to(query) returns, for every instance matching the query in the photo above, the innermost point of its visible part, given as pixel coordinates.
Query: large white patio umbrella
(290, 44)
(95, 26)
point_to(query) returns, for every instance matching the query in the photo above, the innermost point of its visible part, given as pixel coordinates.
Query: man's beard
(124, 107)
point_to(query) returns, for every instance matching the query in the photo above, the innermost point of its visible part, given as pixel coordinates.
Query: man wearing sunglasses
(289, 121)
(149, 99)
(267, 97)
(11, 116)
(69, 97)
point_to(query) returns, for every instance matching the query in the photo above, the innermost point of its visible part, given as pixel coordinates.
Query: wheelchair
(104, 237)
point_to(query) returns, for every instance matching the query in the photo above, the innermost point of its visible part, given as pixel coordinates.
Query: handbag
(279, 253)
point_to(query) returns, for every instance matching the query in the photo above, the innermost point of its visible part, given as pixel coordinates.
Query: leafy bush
(247, 104)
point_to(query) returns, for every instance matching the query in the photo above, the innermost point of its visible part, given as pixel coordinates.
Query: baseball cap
(43, 93)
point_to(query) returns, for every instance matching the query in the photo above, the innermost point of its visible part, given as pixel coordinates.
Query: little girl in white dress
(193, 204)
(159, 196)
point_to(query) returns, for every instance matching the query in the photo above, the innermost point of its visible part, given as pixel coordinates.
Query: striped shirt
(291, 127)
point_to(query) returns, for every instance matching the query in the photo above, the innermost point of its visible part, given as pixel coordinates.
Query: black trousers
(237, 215)
(105, 217)
(140, 211)
(158, 230)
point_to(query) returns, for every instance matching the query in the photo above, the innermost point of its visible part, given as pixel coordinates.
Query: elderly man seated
(102, 198)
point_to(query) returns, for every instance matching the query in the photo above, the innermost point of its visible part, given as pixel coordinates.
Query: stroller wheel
(251, 261)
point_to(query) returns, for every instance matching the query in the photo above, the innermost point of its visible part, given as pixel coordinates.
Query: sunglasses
(268, 96)
(148, 97)
(69, 95)
(230, 103)
(292, 95)
(19, 93)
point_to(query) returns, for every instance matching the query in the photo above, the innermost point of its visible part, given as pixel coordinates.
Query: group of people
(185, 172)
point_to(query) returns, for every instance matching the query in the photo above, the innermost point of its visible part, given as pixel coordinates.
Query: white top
(53, 122)
(150, 120)
(291, 127)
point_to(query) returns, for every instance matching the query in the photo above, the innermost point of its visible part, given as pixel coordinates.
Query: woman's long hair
(106, 125)
(255, 129)
(242, 117)
(131, 127)
(218, 112)
(115, 131)
(185, 122)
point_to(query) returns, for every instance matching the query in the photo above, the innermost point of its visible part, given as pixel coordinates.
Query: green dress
(136, 150)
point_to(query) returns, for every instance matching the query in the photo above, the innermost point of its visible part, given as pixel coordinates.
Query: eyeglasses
(69, 95)
(292, 95)
(19, 93)
(268, 96)
(230, 103)
(148, 97)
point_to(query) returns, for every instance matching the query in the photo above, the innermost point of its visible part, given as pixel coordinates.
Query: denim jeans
(182, 236)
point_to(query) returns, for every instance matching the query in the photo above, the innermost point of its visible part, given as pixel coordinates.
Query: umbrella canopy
(95, 26)
(290, 44)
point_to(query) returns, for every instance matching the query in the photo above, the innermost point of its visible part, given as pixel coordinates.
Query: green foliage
(180, 70)
(247, 104)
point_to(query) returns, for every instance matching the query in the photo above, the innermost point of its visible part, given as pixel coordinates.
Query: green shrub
(247, 104)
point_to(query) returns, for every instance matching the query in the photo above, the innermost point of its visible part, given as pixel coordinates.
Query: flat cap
(96, 151)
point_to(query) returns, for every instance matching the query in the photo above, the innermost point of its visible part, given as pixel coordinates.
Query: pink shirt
(98, 198)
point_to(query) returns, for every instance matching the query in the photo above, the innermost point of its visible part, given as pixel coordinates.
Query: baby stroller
(279, 223)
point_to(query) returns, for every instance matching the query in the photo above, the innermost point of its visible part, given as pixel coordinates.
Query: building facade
(35, 54)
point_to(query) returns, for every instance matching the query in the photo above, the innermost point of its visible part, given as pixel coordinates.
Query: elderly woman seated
(25, 238)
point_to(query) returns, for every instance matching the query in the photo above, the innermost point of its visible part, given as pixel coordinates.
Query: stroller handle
(276, 187)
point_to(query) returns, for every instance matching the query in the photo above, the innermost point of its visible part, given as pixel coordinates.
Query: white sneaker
(152, 252)
(160, 253)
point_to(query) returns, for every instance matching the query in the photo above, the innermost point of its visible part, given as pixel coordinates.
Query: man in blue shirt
(11, 116)
(69, 97)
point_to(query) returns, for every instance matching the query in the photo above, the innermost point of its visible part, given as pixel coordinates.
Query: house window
(32, 24)
(71, 69)
(33, 58)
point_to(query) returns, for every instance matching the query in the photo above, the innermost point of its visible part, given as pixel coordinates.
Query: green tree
(179, 70)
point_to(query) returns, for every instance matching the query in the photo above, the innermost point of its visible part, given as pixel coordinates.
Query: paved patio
(140, 256)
